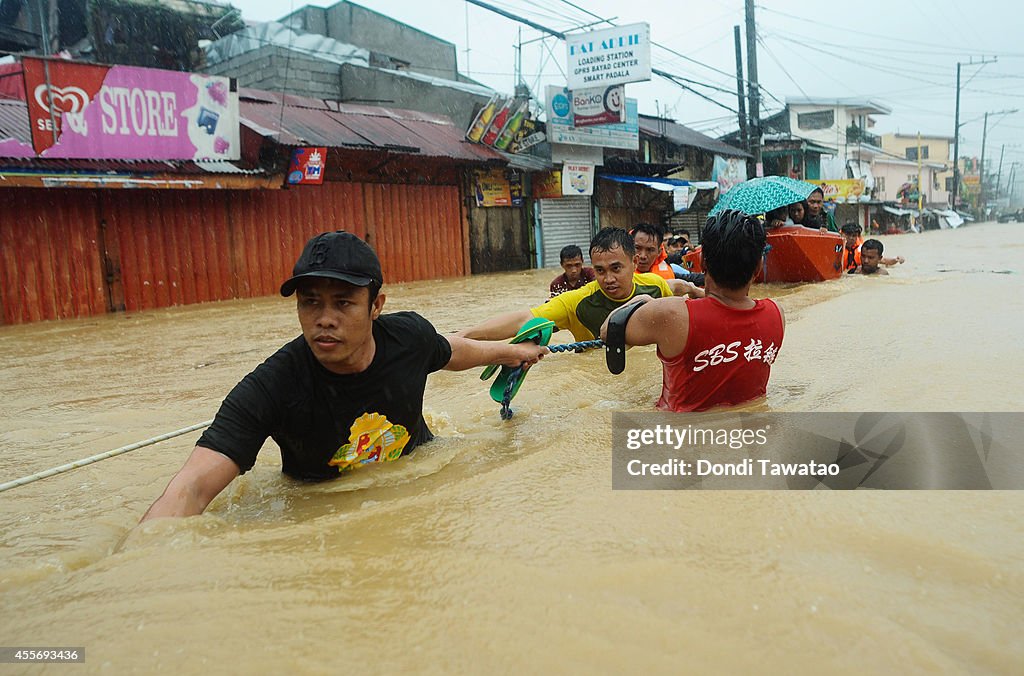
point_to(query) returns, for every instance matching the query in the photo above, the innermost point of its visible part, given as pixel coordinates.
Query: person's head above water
(647, 241)
(337, 281)
(731, 248)
(571, 259)
(870, 256)
(612, 254)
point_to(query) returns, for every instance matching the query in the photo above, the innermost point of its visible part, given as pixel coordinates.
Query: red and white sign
(80, 110)
(307, 166)
(599, 105)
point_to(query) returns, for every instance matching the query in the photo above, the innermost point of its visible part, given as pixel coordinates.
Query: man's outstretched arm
(467, 353)
(203, 476)
(498, 327)
(681, 287)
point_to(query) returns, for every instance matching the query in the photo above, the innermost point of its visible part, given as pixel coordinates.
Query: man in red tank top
(720, 349)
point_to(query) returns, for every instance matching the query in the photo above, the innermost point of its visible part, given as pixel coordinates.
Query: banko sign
(607, 57)
(87, 111)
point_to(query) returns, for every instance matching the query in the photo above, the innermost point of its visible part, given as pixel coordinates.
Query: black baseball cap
(336, 255)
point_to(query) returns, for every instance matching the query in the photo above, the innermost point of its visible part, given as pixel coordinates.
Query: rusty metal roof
(14, 121)
(297, 120)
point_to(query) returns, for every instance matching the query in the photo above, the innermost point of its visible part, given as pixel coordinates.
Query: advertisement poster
(602, 105)
(562, 130)
(515, 188)
(307, 166)
(577, 178)
(610, 56)
(493, 189)
(547, 185)
(728, 171)
(841, 190)
(123, 112)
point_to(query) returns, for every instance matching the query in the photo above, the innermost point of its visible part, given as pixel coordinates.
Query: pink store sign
(87, 111)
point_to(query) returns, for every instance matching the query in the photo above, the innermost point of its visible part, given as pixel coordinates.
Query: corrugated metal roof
(684, 136)
(14, 121)
(297, 120)
(121, 167)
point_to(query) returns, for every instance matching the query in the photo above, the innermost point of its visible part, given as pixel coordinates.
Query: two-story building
(898, 167)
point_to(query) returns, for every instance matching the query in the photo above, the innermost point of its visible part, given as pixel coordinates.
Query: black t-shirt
(311, 412)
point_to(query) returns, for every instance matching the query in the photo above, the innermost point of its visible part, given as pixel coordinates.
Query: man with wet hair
(575, 275)
(718, 350)
(870, 259)
(347, 392)
(651, 257)
(852, 243)
(582, 311)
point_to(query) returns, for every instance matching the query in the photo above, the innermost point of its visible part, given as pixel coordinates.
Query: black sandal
(615, 342)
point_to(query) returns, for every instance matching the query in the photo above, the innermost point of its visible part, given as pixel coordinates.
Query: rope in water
(517, 373)
(101, 456)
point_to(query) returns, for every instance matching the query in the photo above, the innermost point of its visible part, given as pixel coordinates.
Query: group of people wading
(349, 390)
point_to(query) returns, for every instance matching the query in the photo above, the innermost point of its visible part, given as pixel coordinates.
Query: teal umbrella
(761, 195)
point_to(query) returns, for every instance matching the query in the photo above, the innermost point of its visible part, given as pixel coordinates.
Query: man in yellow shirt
(583, 311)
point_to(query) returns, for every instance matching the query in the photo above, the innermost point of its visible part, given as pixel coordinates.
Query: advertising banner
(307, 166)
(600, 105)
(842, 190)
(561, 129)
(492, 188)
(728, 171)
(87, 111)
(577, 178)
(608, 57)
(547, 185)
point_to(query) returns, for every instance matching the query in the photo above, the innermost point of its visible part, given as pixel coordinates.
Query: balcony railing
(855, 134)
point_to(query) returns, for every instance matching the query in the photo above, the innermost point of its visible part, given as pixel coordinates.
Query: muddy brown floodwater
(501, 547)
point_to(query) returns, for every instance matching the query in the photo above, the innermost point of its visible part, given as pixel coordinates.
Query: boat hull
(797, 254)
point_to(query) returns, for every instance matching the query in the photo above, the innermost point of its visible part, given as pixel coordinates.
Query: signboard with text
(842, 190)
(599, 105)
(577, 178)
(547, 184)
(80, 110)
(608, 57)
(561, 129)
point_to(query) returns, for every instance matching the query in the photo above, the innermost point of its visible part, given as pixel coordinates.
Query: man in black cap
(348, 391)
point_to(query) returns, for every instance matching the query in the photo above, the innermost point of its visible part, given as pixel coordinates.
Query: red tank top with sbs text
(728, 356)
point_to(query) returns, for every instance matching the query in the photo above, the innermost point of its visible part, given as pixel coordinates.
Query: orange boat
(797, 254)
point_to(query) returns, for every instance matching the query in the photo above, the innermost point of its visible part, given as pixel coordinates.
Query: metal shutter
(564, 221)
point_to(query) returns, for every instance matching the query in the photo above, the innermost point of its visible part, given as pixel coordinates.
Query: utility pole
(981, 171)
(999, 176)
(919, 189)
(739, 88)
(956, 142)
(755, 107)
(956, 129)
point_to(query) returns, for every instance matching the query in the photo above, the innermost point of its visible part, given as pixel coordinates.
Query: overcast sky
(900, 53)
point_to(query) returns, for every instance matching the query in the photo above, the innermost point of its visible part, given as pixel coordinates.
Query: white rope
(101, 456)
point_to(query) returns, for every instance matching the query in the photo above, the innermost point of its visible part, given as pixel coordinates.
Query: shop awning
(901, 212)
(663, 184)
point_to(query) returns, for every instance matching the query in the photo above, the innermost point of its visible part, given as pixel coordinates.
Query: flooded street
(500, 546)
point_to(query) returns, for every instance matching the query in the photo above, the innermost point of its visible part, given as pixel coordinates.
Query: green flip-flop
(539, 331)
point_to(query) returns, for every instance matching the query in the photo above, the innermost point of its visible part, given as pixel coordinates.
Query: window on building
(820, 119)
(880, 184)
(949, 184)
(912, 153)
